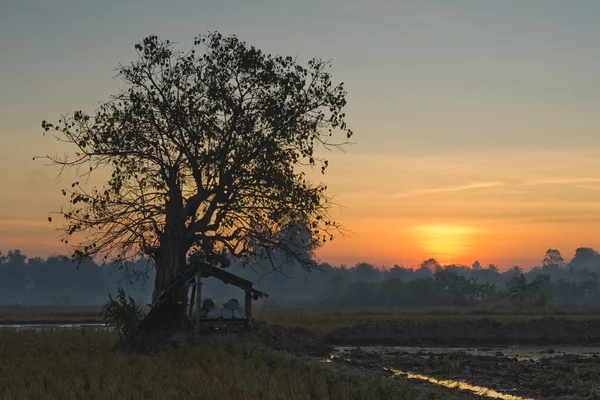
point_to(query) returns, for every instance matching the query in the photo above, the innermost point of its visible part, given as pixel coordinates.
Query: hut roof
(206, 270)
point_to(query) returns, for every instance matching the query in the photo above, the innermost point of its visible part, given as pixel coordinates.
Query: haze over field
(475, 122)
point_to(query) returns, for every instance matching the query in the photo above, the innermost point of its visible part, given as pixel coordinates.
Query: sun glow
(446, 243)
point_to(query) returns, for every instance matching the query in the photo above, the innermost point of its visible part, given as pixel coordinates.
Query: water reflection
(451, 384)
(478, 390)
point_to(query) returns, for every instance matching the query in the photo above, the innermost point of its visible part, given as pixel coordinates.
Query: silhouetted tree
(430, 264)
(13, 274)
(492, 268)
(205, 150)
(553, 259)
(585, 258)
(365, 271)
(515, 271)
(520, 292)
(399, 272)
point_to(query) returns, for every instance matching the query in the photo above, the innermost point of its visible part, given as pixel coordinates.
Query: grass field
(325, 321)
(82, 364)
(39, 314)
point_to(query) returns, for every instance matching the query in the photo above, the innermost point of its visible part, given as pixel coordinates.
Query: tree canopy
(205, 150)
(208, 153)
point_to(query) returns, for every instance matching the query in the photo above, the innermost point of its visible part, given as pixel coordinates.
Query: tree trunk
(170, 261)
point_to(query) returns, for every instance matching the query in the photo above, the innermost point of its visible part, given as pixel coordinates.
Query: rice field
(78, 363)
(83, 364)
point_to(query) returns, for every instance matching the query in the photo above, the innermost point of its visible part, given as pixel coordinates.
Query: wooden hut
(192, 277)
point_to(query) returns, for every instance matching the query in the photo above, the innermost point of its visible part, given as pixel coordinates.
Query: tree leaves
(213, 141)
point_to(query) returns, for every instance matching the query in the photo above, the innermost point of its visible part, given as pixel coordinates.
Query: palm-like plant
(524, 293)
(123, 314)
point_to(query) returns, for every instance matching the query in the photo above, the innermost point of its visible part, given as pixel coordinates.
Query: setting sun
(445, 242)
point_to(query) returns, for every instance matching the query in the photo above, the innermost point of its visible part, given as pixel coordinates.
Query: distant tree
(460, 269)
(590, 289)
(399, 272)
(515, 270)
(503, 278)
(523, 293)
(335, 290)
(358, 294)
(431, 264)
(553, 259)
(13, 274)
(476, 266)
(365, 271)
(488, 292)
(205, 151)
(545, 281)
(16, 258)
(492, 268)
(585, 258)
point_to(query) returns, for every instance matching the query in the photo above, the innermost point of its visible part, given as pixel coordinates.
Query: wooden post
(198, 297)
(192, 300)
(248, 308)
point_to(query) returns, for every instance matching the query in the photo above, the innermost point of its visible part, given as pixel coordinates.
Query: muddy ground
(541, 331)
(522, 370)
(494, 360)
(552, 377)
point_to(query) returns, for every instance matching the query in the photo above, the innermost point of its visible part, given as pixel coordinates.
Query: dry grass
(39, 314)
(81, 364)
(324, 321)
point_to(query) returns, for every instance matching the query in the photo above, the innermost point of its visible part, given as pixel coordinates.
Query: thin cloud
(561, 181)
(450, 189)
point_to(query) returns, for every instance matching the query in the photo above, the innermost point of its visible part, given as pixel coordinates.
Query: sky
(476, 125)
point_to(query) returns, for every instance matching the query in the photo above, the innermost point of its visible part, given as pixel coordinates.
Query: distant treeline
(57, 281)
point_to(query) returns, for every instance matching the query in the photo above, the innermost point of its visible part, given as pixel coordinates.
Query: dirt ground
(553, 377)
(526, 372)
(520, 357)
(517, 356)
(538, 331)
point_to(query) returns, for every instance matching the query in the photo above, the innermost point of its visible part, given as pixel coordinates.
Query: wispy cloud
(562, 181)
(448, 189)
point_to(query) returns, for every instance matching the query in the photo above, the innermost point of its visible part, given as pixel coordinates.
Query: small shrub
(123, 314)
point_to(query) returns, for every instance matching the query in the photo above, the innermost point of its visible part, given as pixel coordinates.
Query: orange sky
(462, 208)
(476, 127)
(401, 211)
